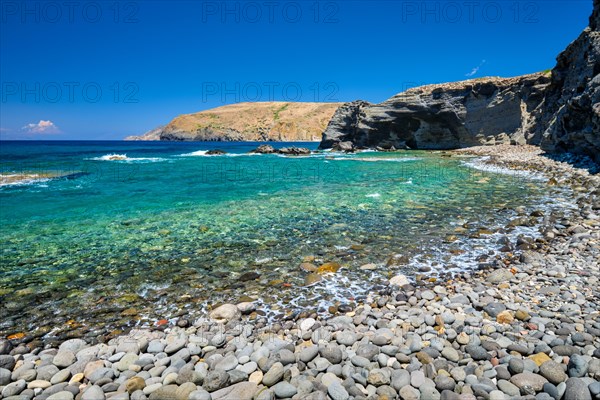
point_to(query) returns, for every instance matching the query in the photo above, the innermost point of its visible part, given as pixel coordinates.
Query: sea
(99, 237)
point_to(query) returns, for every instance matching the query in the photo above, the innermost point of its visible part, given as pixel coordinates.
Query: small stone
(93, 392)
(409, 393)
(60, 376)
(493, 309)
(423, 357)
(228, 363)
(216, 380)
(499, 276)
(553, 372)
(428, 295)
(497, 395)
(328, 378)
(528, 379)
(463, 338)
(101, 373)
(539, 358)
(478, 353)
(307, 324)
(78, 377)
(38, 384)
(577, 389)
(368, 351)
(577, 366)
(443, 382)
(331, 353)
(228, 312)
(155, 346)
(399, 280)
(378, 377)
(565, 350)
(522, 315)
(516, 366)
(14, 388)
(311, 279)
(508, 388)
(7, 362)
(284, 390)
(274, 374)
(346, 338)
(400, 378)
(200, 394)
(64, 358)
(505, 317)
(307, 354)
(135, 383)
(168, 392)
(125, 362)
(174, 346)
(337, 392)
(450, 354)
(63, 395)
(256, 377)
(417, 378)
(551, 390)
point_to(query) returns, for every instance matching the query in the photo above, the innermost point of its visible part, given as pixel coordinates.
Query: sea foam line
(482, 164)
(375, 159)
(203, 153)
(125, 158)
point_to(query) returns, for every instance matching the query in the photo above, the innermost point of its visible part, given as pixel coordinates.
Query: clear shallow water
(163, 230)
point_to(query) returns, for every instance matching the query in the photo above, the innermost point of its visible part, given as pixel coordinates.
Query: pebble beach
(526, 326)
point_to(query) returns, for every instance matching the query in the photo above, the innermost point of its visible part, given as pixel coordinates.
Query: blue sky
(107, 69)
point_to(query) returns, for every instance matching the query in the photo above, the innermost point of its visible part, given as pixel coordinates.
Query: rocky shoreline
(527, 328)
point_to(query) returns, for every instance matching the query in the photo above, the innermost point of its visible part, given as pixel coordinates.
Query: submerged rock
(294, 151)
(264, 149)
(226, 312)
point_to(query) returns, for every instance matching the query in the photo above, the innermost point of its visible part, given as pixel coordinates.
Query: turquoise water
(168, 231)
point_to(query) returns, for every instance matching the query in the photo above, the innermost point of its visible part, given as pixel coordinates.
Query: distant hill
(263, 121)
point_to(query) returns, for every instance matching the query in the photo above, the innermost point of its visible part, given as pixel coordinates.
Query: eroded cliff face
(559, 110)
(261, 121)
(572, 115)
(446, 116)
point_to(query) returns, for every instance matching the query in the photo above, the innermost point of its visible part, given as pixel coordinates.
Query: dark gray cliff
(572, 115)
(559, 110)
(446, 116)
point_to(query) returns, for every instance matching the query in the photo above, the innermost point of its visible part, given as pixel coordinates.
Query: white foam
(124, 158)
(199, 153)
(242, 154)
(482, 164)
(204, 153)
(373, 195)
(375, 159)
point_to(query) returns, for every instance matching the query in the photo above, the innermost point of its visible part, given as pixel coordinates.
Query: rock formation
(559, 110)
(446, 116)
(262, 121)
(572, 115)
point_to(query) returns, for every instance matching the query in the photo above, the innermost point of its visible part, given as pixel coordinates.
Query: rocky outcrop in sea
(558, 109)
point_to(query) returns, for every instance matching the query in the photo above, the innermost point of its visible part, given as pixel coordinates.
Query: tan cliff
(262, 121)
